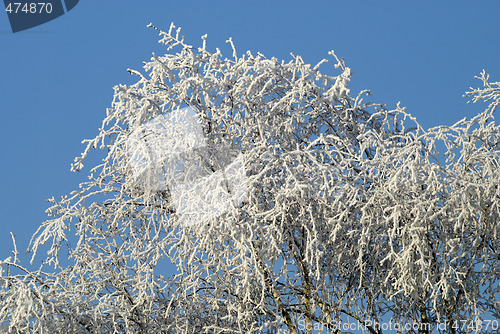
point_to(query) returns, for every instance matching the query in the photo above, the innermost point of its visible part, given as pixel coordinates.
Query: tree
(287, 205)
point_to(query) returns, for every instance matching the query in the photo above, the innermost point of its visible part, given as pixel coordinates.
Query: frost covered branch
(285, 203)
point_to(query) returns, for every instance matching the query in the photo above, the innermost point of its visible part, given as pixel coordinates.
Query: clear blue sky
(56, 80)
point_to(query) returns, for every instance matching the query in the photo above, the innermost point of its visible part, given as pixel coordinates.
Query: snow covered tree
(287, 204)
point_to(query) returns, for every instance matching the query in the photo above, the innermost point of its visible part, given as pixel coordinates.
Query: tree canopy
(287, 204)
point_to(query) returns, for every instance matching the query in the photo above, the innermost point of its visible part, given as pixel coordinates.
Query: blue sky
(56, 80)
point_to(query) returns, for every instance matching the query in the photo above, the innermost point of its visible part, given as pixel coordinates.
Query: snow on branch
(285, 203)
